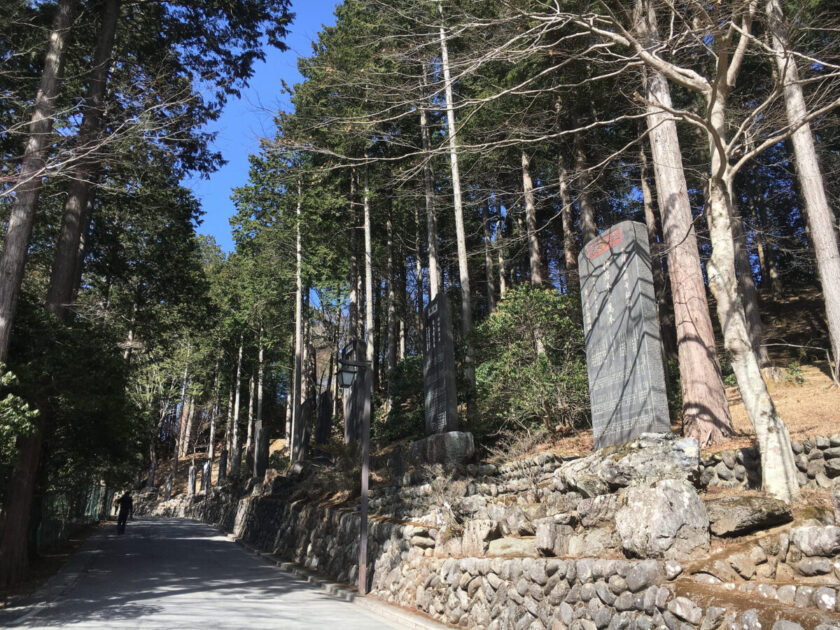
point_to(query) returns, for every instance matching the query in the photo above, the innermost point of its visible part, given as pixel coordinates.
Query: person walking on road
(126, 510)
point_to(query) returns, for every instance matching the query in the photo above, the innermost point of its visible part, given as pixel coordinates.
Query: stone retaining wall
(817, 462)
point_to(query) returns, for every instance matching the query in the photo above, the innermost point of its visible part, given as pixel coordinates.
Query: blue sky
(246, 120)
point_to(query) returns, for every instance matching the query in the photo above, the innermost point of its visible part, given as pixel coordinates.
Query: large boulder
(816, 540)
(665, 520)
(734, 516)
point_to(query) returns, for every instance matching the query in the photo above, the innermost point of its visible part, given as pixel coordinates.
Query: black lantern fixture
(347, 375)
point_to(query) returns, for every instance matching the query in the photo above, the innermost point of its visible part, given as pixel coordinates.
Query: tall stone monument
(623, 353)
(356, 397)
(439, 393)
(191, 481)
(443, 443)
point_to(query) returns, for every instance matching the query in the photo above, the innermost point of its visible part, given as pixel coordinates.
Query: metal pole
(363, 534)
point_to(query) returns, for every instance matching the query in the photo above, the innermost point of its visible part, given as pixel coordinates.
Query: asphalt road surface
(172, 573)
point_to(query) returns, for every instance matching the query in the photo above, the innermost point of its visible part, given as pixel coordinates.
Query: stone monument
(205, 475)
(439, 394)
(623, 352)
(444, 443)
(357, 396)
(191, 481)
(167, 489)
(223, 457)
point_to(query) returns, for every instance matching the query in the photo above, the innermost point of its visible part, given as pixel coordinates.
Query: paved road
(172, 573)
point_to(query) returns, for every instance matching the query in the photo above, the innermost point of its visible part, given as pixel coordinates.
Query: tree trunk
(261, 436)
(531, 223)
(666, 323)
(19, 228)
(819, 213)
(391, 314)
(295, 450)
(63, 276)
(431, 218)
(777, 464)
(500, 248)
(569, 245)
(229, 419)
(418, 273)
(488, 258)
(249, 437)
(353, 321)
(152, 462)
(705, 410)
(460, 231)
(17, 507)
(588, 227)
(235, 447)
(746, 282)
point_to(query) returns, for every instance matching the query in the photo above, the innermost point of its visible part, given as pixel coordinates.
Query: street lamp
(346, 375)
(347, 372)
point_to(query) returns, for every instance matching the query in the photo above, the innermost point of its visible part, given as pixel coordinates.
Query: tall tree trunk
(261, 436)
(500, 248)
(418, 273)
(295, 450)
(235, 446)
(705, 410)
(488, 258)
(229, 419)
(746, 282)
(460, 231)
(214, 414)
(820, 216)
(531, 223)
(63, 276)
(588, 227)
(17, 507)
(129, 345)
(431, 218)
(19, 228)
(569, 245)
(666, 323)
(777, 464)
(391, 314)
(353, 321)
(150, 481)
(765, 251)
(249, 436)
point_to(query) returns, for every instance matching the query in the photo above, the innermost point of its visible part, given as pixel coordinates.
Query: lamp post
(346, 377)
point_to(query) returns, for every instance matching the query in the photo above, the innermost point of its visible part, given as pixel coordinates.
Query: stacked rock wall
(817, 463)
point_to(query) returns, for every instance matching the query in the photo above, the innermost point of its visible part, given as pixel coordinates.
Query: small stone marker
(205, 475)
(440, 394)
(191, 482)
(623, 356)
(167, 489)
(223, 457)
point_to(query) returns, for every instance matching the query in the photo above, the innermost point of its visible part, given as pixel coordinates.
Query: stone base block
(452, 447)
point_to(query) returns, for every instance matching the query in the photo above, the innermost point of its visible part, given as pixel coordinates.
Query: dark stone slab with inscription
(623, 355)
(357, 396)
(439, 393)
